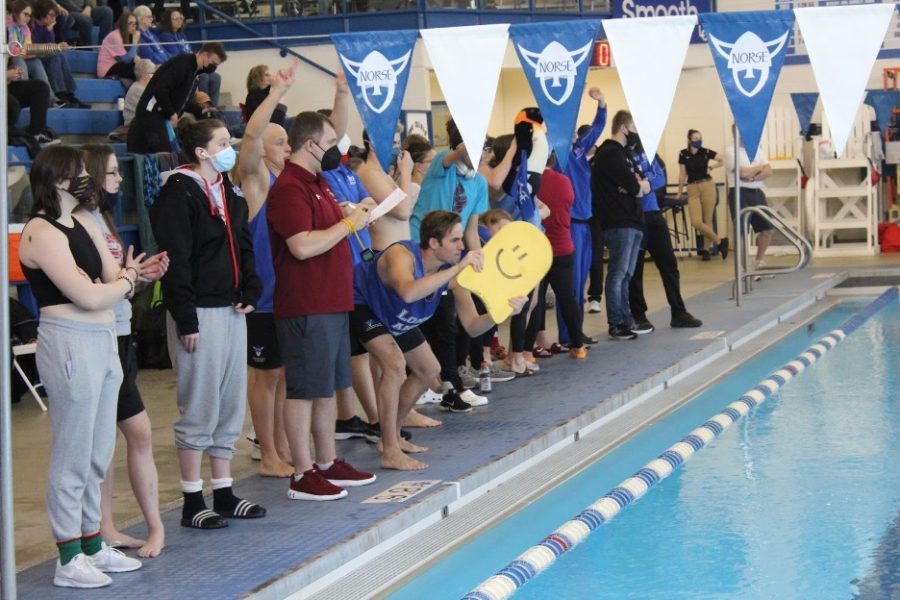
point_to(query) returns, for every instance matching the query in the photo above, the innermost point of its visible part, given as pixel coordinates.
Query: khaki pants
(701, 205)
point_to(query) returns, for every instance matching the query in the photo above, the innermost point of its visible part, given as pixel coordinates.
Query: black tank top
(86, 257)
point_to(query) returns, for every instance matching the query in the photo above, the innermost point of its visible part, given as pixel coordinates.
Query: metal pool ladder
(804, 247)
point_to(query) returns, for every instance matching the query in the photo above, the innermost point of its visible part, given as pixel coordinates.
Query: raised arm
(340, 112)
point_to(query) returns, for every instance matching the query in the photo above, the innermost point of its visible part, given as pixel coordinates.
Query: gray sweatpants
(79, 367)
(212, 382)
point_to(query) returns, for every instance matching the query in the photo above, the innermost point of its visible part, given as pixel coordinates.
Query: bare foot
(120, 540)
(401, 462)
(417, 419)
(156, 541)
(411, 448)
(285, 455)
(276, 468)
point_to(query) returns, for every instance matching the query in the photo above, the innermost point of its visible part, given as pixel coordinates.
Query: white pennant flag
(842, 43)
(649, 54)
(467, 63)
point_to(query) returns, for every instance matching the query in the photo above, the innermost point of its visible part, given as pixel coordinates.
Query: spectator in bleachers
(86, 14)
(200, 219)
(143, 71)
(76, 282)
(149, 47)
(131, 417)
(19, 33)
(43, 38)
(119, 49)
(153, 127)
(259, 82)
(28, 94)
(174, 42)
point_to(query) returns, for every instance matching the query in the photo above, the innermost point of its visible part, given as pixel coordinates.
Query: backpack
(149, 328)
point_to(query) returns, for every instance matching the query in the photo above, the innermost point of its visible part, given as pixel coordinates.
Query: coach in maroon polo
(308, 231)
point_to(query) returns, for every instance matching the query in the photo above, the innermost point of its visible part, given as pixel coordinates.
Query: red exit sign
(601, 57)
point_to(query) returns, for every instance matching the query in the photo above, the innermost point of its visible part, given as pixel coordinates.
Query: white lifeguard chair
(845, 219)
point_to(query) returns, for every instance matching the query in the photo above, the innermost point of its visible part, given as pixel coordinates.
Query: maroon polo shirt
(300, 201)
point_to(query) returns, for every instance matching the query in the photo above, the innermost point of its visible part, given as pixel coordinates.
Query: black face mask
(632, 139)
(207, 70)
(82, 188)
(109, 201)
(331, 158)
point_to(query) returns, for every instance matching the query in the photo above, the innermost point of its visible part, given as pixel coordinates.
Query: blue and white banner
(649, 54)
(884, 103)
(377, 68)
(555, 59)
(630, 9)
(805, 105)
(842, 43)
(748, 49)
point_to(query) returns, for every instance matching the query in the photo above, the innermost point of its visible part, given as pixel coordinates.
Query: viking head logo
(376, 77)
(748, 55)
(555, 64)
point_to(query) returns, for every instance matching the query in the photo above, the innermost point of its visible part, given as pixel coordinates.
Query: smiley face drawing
(515, 261)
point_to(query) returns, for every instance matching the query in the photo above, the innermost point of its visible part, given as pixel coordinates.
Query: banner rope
(537, 558)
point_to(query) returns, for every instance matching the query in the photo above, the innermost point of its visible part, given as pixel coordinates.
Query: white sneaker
(80, 573)
(255, 452)
(430, 397)
(470, 397)
(111, 560)
(594, 307)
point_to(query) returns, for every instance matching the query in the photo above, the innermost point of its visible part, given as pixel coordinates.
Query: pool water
(797, 500)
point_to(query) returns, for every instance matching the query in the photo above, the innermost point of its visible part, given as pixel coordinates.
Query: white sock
(224, 482)
(189, 487)
(325, 466)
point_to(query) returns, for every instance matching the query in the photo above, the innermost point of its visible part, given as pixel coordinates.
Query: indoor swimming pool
(799, 499)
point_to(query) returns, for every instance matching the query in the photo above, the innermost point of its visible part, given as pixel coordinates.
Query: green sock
(68, 550)
(92, 544)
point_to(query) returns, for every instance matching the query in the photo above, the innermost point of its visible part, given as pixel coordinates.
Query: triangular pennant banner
(377, 68)
(556, 60)
(805, 105)
(842, 43)
(649, 84)
(884, 103)
(748, 49)
(467, 63)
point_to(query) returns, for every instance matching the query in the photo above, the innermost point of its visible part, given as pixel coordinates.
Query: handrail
(804, 247)
(204, 6)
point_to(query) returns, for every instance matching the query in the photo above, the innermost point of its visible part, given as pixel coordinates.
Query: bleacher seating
(82, 61)
(78, 121)
(99, 90)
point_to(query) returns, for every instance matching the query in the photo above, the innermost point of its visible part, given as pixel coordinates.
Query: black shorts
(365, 327)
(751, 197)
(262, 342)
(130, 402)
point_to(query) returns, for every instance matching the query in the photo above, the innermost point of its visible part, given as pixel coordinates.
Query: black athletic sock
(193, 503)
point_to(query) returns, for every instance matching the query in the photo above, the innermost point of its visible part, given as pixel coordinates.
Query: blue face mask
(697, 144)
(224, 160)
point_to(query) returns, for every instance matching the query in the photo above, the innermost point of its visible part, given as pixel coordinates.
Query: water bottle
(484, 379)
(121, 104)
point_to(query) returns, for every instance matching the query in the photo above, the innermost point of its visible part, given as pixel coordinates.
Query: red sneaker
(342, 474)
(313, 486)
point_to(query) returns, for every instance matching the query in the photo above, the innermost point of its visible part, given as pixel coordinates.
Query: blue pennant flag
(377, 68)
(748, 49)
(883, 102)
(555, 57)
(805, 105)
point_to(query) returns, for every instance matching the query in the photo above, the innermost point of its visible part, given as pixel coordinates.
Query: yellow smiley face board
(515, 261)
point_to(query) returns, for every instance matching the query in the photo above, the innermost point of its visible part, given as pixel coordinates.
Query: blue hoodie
(657, 177)
(578, 167)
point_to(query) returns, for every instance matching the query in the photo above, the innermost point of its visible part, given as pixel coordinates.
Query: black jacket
(169, 88)
(203, 273)
(613, 169)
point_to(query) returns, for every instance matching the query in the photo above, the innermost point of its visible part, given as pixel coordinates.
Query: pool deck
(301, 546)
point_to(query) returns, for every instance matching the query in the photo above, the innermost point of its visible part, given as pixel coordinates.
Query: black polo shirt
(696, 164)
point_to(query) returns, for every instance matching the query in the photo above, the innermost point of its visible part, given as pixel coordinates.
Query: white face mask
(464, 171)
